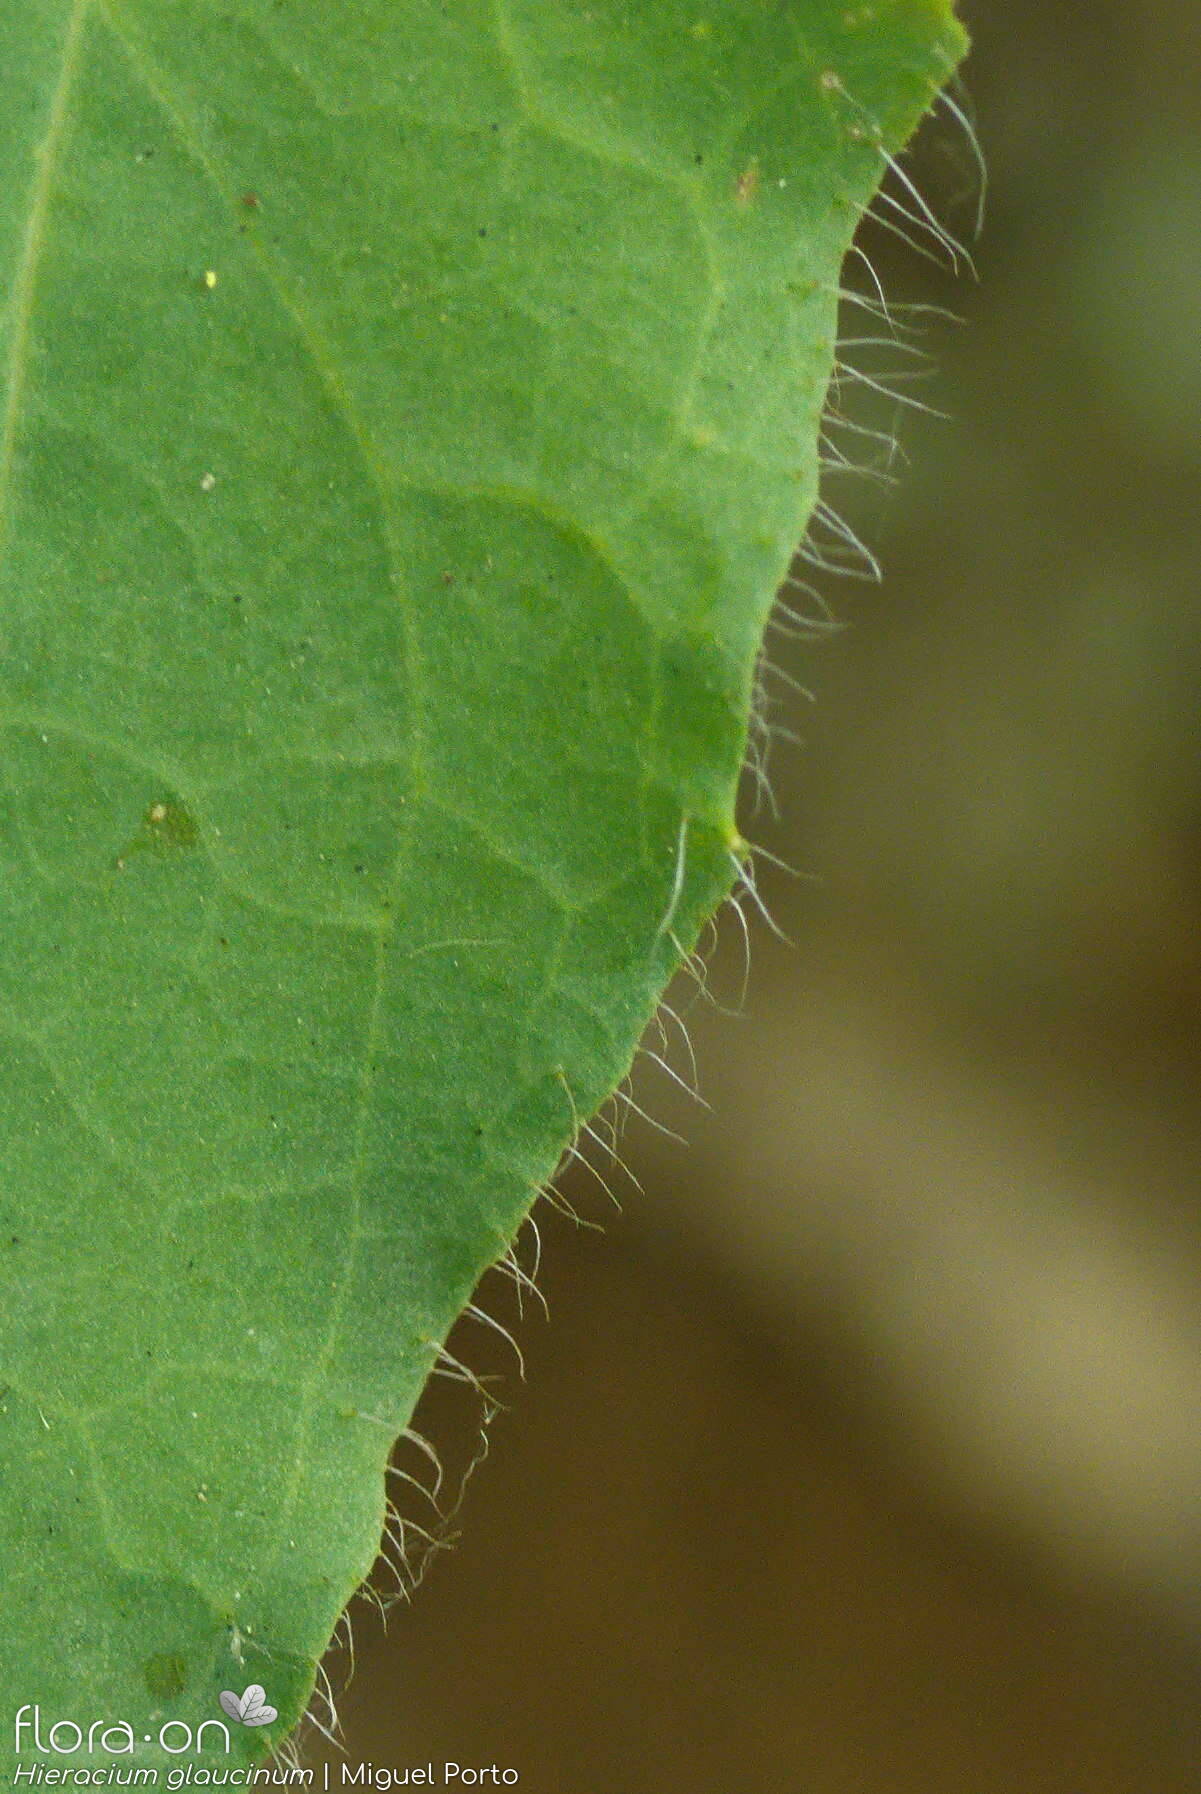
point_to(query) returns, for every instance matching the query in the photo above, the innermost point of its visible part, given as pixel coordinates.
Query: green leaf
(409, 411)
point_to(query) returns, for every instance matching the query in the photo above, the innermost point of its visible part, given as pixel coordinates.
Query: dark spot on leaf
(165, 1676)
(171, 826)
(167, 827)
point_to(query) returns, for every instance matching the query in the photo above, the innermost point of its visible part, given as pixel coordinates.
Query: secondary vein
(29, 259)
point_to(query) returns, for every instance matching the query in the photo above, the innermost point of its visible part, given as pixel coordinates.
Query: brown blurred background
(861, 1455)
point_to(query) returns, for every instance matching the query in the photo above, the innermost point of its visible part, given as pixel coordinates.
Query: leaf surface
(408, 414)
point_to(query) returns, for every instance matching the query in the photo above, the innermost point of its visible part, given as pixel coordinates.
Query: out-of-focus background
(862, 1453)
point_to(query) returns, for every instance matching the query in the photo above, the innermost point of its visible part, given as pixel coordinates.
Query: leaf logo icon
(251, 1708)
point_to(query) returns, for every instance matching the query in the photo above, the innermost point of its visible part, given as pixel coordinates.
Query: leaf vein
(48, 157)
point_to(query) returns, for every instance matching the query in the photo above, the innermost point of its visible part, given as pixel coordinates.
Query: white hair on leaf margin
(801, 614)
